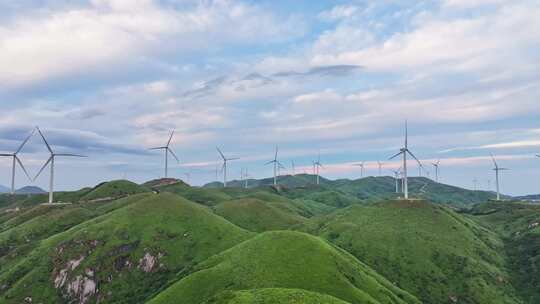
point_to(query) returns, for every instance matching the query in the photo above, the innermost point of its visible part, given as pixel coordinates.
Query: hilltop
(284, 260)
(426, 249)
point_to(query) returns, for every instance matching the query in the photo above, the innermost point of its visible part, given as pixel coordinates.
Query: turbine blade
(170, 138)
(174, 155)
(221, 153)
(22, 167)
(406, 134)
(268, 163)
(281, 165)
(157, 148)
(234, 158)
(25, 141)
(415, 157)
(7, 155)
(494, 161)
(45, 140)
(43, 168)
(70, 155)
(398, 154)
(275, 157)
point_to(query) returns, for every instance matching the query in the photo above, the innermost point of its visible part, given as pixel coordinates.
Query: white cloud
(112, 32)
(338, 12)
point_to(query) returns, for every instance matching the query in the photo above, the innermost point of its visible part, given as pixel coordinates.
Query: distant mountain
(374, 188)
(4, 189)
(30, 190)
(532, 197)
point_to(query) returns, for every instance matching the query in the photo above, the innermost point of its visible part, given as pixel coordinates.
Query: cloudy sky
(111, 78)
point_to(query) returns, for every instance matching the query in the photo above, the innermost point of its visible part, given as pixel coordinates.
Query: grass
(176, 232)
(425, 249)
(273, 296)
(522, 241)
(257, 215)
(285, 259)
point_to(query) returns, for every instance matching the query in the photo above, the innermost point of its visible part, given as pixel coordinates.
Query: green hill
(257, 215)
(425, 249)
(373, 189)
(519, 225)
(130, 253)
(273, 296)
(289, 260)
(114, 190)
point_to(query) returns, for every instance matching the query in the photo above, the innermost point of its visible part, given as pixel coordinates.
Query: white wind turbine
(361, 165)
(51, 161)
(380, 167)
(224, 167)
(316, 166)
(167, 150)
(497, 169)
(277, 166)
(16, 160)
(404, 151)
(244, 175)
(437, 165)
(293, 168)
(397, 173)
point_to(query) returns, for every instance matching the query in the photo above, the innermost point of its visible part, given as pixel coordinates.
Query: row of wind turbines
(400, 174)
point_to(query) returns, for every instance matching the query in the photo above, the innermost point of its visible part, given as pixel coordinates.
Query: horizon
(338, 78)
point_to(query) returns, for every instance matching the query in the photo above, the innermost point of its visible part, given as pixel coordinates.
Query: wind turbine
(404, 151)
(380, 167)
(497, 169)
(16, 160)
(317, 165)
(277, 166)
(188, 176)
(167, 150)
(361, 165)
(224, 168)
(396, 178)
(437, 165)
(244, 176)
(475, 182)
(293, 167)
(51, 159)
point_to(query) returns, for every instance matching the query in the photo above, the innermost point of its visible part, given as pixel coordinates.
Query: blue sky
(110, 78)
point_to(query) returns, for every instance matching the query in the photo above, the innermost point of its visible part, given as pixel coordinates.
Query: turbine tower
(224, 167)
(16, 160)
(51, 159)
(497, 169)
(167, 150)
(293, 168)
(361, 165)
(316, 166)
(277, 166)
(404, 151)
(437, 165)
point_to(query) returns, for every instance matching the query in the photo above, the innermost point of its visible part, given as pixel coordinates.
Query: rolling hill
(373, 189)
(426, 249)
(519, 225)
(343, 242)
(284, 260)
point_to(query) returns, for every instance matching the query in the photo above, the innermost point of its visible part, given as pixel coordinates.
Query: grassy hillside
(425, 249)
(519, 225)
(257, 215)
(373, 189)
(273, 296)
(284, 260)
(130, 253)
(114, 189)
